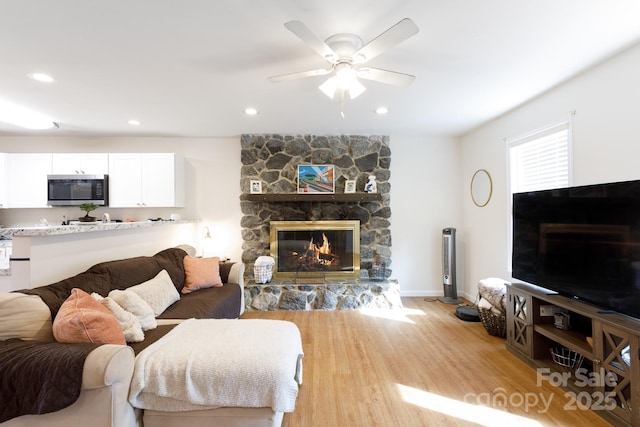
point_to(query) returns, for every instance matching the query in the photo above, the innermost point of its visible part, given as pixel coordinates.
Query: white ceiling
(191, 67)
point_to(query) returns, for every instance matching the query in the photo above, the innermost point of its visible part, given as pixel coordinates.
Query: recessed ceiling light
(133, 122)
(381, 111)
(40, 77)
(250, 111)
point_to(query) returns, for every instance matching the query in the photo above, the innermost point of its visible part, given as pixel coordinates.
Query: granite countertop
(56, 230)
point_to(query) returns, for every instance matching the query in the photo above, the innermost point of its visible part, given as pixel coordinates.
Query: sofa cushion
(201, 273)
(158, 292)
(129, 323)
(133, 303)
(83, 319)
(24, 316)
(210, 303)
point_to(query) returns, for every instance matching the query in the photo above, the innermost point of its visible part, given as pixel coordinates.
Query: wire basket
(495, 325)
(262, 273)
(568, 359)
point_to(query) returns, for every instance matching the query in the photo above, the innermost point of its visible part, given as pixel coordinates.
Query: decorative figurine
(371, 186)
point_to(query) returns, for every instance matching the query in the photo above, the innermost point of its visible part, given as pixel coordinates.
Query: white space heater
(449, 267)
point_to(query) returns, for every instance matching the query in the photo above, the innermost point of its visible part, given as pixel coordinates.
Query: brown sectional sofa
(26, 317)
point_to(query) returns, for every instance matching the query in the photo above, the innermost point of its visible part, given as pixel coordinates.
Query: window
(538, 161)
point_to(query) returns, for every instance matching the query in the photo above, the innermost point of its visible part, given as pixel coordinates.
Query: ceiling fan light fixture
(356, 89)
(344, 80)
(329, 87)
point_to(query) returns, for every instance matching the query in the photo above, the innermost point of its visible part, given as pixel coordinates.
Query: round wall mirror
(481, 188)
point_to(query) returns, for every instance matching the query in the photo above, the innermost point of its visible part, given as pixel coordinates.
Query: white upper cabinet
(3, 180)
(146, 180)
(80, 163)
(27, 179)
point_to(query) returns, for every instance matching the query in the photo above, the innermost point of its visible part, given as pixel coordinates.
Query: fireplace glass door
(329, 249)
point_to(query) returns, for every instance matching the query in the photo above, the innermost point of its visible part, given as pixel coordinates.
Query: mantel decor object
(256, 187)
(371, 186)
(350, 186)
(316, 179)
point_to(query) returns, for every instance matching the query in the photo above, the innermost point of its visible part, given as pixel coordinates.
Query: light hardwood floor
(419, 366)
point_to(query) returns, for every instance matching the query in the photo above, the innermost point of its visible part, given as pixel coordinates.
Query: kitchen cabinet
(27, 179)
(595, 352)
(80, 163)
(3, 180)
(146, 180)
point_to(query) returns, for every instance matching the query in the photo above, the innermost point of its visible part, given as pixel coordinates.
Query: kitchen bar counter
(56, 230)
(41, 255)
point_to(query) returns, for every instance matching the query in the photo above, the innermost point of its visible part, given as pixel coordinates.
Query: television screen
(582, 242)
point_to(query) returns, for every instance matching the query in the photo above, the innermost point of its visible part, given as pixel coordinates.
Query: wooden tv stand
(609, 343)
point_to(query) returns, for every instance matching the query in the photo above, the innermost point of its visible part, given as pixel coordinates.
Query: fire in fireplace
(329, 249)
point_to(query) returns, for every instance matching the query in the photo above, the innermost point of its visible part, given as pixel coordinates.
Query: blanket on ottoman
(212, 363)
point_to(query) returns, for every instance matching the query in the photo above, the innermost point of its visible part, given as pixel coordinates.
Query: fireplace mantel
(296, 197)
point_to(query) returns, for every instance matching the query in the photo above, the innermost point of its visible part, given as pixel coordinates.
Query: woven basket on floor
(496, 325)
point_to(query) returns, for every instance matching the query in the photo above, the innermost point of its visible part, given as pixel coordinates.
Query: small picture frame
(316, 179)
(350, 186)
(255, 187)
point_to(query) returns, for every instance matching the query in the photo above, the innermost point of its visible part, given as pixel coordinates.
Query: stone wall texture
(274, 160)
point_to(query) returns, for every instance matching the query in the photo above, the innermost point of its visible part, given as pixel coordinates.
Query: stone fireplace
(273, 160)
(315, 249)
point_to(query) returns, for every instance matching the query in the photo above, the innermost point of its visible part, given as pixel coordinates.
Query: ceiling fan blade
(299, 75)
(305, 34)
(385, 76)
(394, 35)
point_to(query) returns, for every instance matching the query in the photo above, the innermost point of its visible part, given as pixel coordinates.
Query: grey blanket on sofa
(38, 378)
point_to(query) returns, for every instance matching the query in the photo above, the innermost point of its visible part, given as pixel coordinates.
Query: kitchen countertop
(56, 230)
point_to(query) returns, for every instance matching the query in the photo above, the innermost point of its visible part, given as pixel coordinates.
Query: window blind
(540, 161)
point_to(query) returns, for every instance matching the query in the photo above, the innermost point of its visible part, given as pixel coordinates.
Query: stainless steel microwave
(73, 190)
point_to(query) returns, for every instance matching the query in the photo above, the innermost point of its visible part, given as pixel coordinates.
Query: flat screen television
(581, 242)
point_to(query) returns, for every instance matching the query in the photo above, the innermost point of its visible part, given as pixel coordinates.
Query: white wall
(606, 148)
(425, 198)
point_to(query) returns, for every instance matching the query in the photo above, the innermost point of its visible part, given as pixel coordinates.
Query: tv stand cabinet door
(519, 321)
(616, 352)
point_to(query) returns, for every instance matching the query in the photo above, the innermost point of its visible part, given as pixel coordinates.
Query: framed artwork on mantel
(350, 186)
(256, 187)
(316, 179)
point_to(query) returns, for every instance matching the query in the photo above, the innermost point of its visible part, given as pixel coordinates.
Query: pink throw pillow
(201, 273)
(83, 319)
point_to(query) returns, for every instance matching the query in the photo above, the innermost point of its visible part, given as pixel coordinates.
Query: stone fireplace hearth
(273, 160)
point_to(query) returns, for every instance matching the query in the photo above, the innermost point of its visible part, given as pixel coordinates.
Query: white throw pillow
(133, 303)
(128, 321)
(158, 292)
(24, 316)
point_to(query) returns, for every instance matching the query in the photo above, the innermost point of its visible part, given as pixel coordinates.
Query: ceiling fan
(346, 55)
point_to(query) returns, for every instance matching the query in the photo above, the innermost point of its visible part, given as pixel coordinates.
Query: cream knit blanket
(211, 363)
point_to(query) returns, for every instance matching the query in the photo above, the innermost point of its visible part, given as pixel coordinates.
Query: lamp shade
(345, 80)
